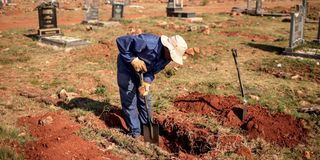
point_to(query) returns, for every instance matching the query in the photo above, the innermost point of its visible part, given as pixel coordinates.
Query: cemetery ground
(64, 103)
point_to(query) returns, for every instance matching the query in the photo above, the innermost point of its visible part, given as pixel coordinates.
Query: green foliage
(13, 135)
(8, 154)
(101, 90)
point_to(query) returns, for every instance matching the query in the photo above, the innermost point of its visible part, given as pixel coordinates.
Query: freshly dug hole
(278, 128)
(185, 137)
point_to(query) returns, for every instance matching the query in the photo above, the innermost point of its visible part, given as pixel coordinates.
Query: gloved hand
(144, 89)
(139, 65)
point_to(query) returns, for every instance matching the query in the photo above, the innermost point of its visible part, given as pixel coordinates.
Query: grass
(7, 154)
(13, 134)
(212, 71)
(9, 136)
(135, 147)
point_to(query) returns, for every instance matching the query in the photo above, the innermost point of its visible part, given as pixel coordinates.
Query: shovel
(150, 130)
(241, 111)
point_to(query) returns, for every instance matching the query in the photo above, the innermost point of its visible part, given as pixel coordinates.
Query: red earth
(277, 128)
(56, 138)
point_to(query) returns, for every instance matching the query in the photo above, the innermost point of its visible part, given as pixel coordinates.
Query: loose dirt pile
(56, 138)
(277, 128)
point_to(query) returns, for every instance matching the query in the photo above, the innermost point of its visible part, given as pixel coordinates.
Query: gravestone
(248, 4)
(296, 30)
(318, 37)
(85, 5)
(47, 15)
(117, 10)
(305, 5)
(258, 7)
(175, 9)
(92, 13)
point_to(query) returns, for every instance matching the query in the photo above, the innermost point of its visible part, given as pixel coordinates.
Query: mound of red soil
(277, 128)
(56, 138)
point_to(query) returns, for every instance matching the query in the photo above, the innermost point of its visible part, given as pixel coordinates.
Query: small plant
(7, 153)
(101, 90)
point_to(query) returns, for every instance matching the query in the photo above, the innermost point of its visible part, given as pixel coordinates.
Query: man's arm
(129, 46)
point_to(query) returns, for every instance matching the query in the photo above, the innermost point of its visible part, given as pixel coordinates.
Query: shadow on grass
(33, 36)
(266, 47)
(110, 114)
(280, 51)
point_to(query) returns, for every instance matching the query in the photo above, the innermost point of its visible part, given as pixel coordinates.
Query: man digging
(145, 54)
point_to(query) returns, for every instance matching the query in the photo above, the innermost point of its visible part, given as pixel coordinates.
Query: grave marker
(175, 9)
(248, 4)
(258, 7)
(305, 5)
(117, 10)
(296, 30)
(92, 13)
(47, 19)
(85, 5)
(318, 37)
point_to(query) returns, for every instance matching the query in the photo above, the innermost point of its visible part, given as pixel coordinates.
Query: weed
(7, 154)
(124, 142)
(101, 90)
(13, 134)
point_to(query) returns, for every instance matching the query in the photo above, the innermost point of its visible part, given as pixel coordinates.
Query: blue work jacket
(146, 47)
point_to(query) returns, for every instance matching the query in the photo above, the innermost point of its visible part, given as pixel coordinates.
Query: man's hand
(144, 89)
(139, 65)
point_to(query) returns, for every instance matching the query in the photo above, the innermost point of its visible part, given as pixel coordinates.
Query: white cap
(176, 45)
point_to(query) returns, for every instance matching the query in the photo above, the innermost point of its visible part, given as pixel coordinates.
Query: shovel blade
(147, 132)
(244, 112)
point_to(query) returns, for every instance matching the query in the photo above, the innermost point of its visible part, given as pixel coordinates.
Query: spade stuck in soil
(241, 112)
(150, 130)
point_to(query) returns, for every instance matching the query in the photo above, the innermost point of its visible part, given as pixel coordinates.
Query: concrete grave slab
(63, 41)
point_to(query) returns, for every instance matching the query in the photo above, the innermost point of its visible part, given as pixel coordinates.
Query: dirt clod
(45, 121)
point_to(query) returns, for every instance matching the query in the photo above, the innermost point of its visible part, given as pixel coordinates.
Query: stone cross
(258, 7)
(296, 30)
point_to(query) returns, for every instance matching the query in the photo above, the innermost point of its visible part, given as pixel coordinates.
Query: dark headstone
(117, 11)
(258, 7)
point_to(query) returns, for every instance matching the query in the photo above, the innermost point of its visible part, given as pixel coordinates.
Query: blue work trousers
(133, 104)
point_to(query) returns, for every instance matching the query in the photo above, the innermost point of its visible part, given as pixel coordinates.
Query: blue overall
(146, 47)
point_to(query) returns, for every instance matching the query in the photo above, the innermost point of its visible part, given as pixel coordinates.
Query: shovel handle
(147, 108)
(235, 56)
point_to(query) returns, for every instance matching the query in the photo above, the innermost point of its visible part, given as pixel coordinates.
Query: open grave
(185, 138)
